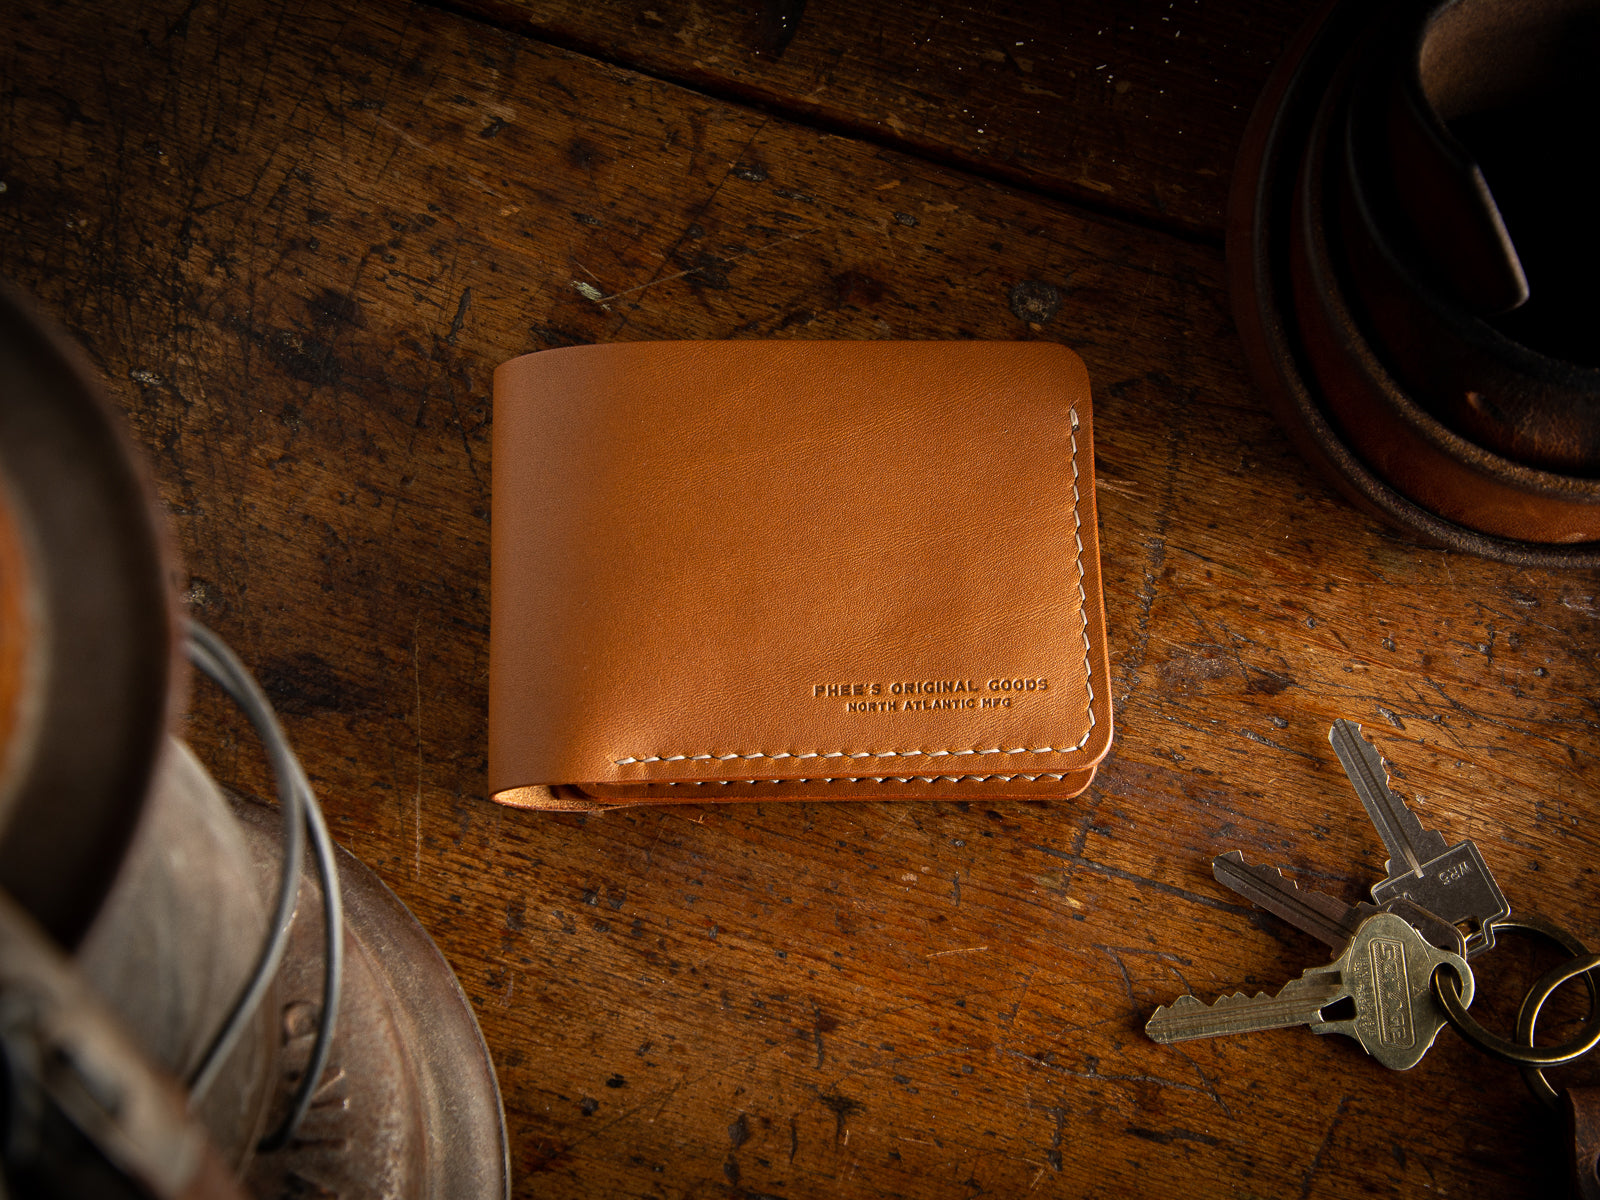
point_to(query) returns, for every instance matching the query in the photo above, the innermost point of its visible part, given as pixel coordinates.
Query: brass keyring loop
(1528, 1017)
(1447, 991)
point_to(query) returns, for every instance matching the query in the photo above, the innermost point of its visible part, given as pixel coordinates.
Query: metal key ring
(1518, 1053)
(1528, 1017)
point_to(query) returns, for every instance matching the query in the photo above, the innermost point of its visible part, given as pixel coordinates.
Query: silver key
(1452, 882)
(1326, 917)
(1386, 971)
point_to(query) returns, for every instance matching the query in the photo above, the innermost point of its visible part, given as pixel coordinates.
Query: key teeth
(1190, 1002)
(1234, 998)
(1237, 858)
(1371, 750)
(1158, 1030)
(1258, 870)
(1193, 1001)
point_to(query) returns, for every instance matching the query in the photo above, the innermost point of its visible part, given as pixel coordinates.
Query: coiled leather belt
(1412, 258)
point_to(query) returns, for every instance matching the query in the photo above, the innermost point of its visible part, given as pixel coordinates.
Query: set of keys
(1379, 988)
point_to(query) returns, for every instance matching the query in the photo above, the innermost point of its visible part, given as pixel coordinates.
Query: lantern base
(408, 1106)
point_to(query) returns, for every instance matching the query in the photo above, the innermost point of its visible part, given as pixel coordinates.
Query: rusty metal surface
(176, 941)
(85, 1112)
(412, 1108)
(1383, 372)
(94, 689)
(409, 1106)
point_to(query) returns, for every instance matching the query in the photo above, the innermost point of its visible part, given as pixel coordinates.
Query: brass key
(1386, 971)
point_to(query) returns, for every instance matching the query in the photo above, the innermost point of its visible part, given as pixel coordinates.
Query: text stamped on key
(1386, 960)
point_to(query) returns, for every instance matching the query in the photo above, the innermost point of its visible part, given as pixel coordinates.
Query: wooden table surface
(296, 236)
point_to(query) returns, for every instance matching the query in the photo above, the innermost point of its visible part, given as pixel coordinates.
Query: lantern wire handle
(302, 817)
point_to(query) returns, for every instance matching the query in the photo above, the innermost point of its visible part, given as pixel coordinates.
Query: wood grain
(296, 239)
(1127, 108)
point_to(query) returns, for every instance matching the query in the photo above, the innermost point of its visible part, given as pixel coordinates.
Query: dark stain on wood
(1267, 683)
(842, 1107)
(704, 269)
(857, 288)
(539, 1154)
(335, 309)
(305, 683)
(301, 355)
(583, 155)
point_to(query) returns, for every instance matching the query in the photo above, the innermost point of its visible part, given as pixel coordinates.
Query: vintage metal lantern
(200, 995)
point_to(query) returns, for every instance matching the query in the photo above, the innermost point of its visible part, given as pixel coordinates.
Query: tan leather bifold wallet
(794, 570)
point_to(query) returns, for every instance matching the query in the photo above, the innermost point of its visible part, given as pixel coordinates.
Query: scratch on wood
(706, 204)
(1261, 740)
(1117, 488)
(1085, 824)
(1093, 1073)
(1166, 889)
(649, 854)
(1027, 982)
(1122, 969)
(430, 152)
(1145, 598)
(1316, 1160)
(1144, 294)
(967, 950)
(1059, 1115)
(589, 292)
(461, 315)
